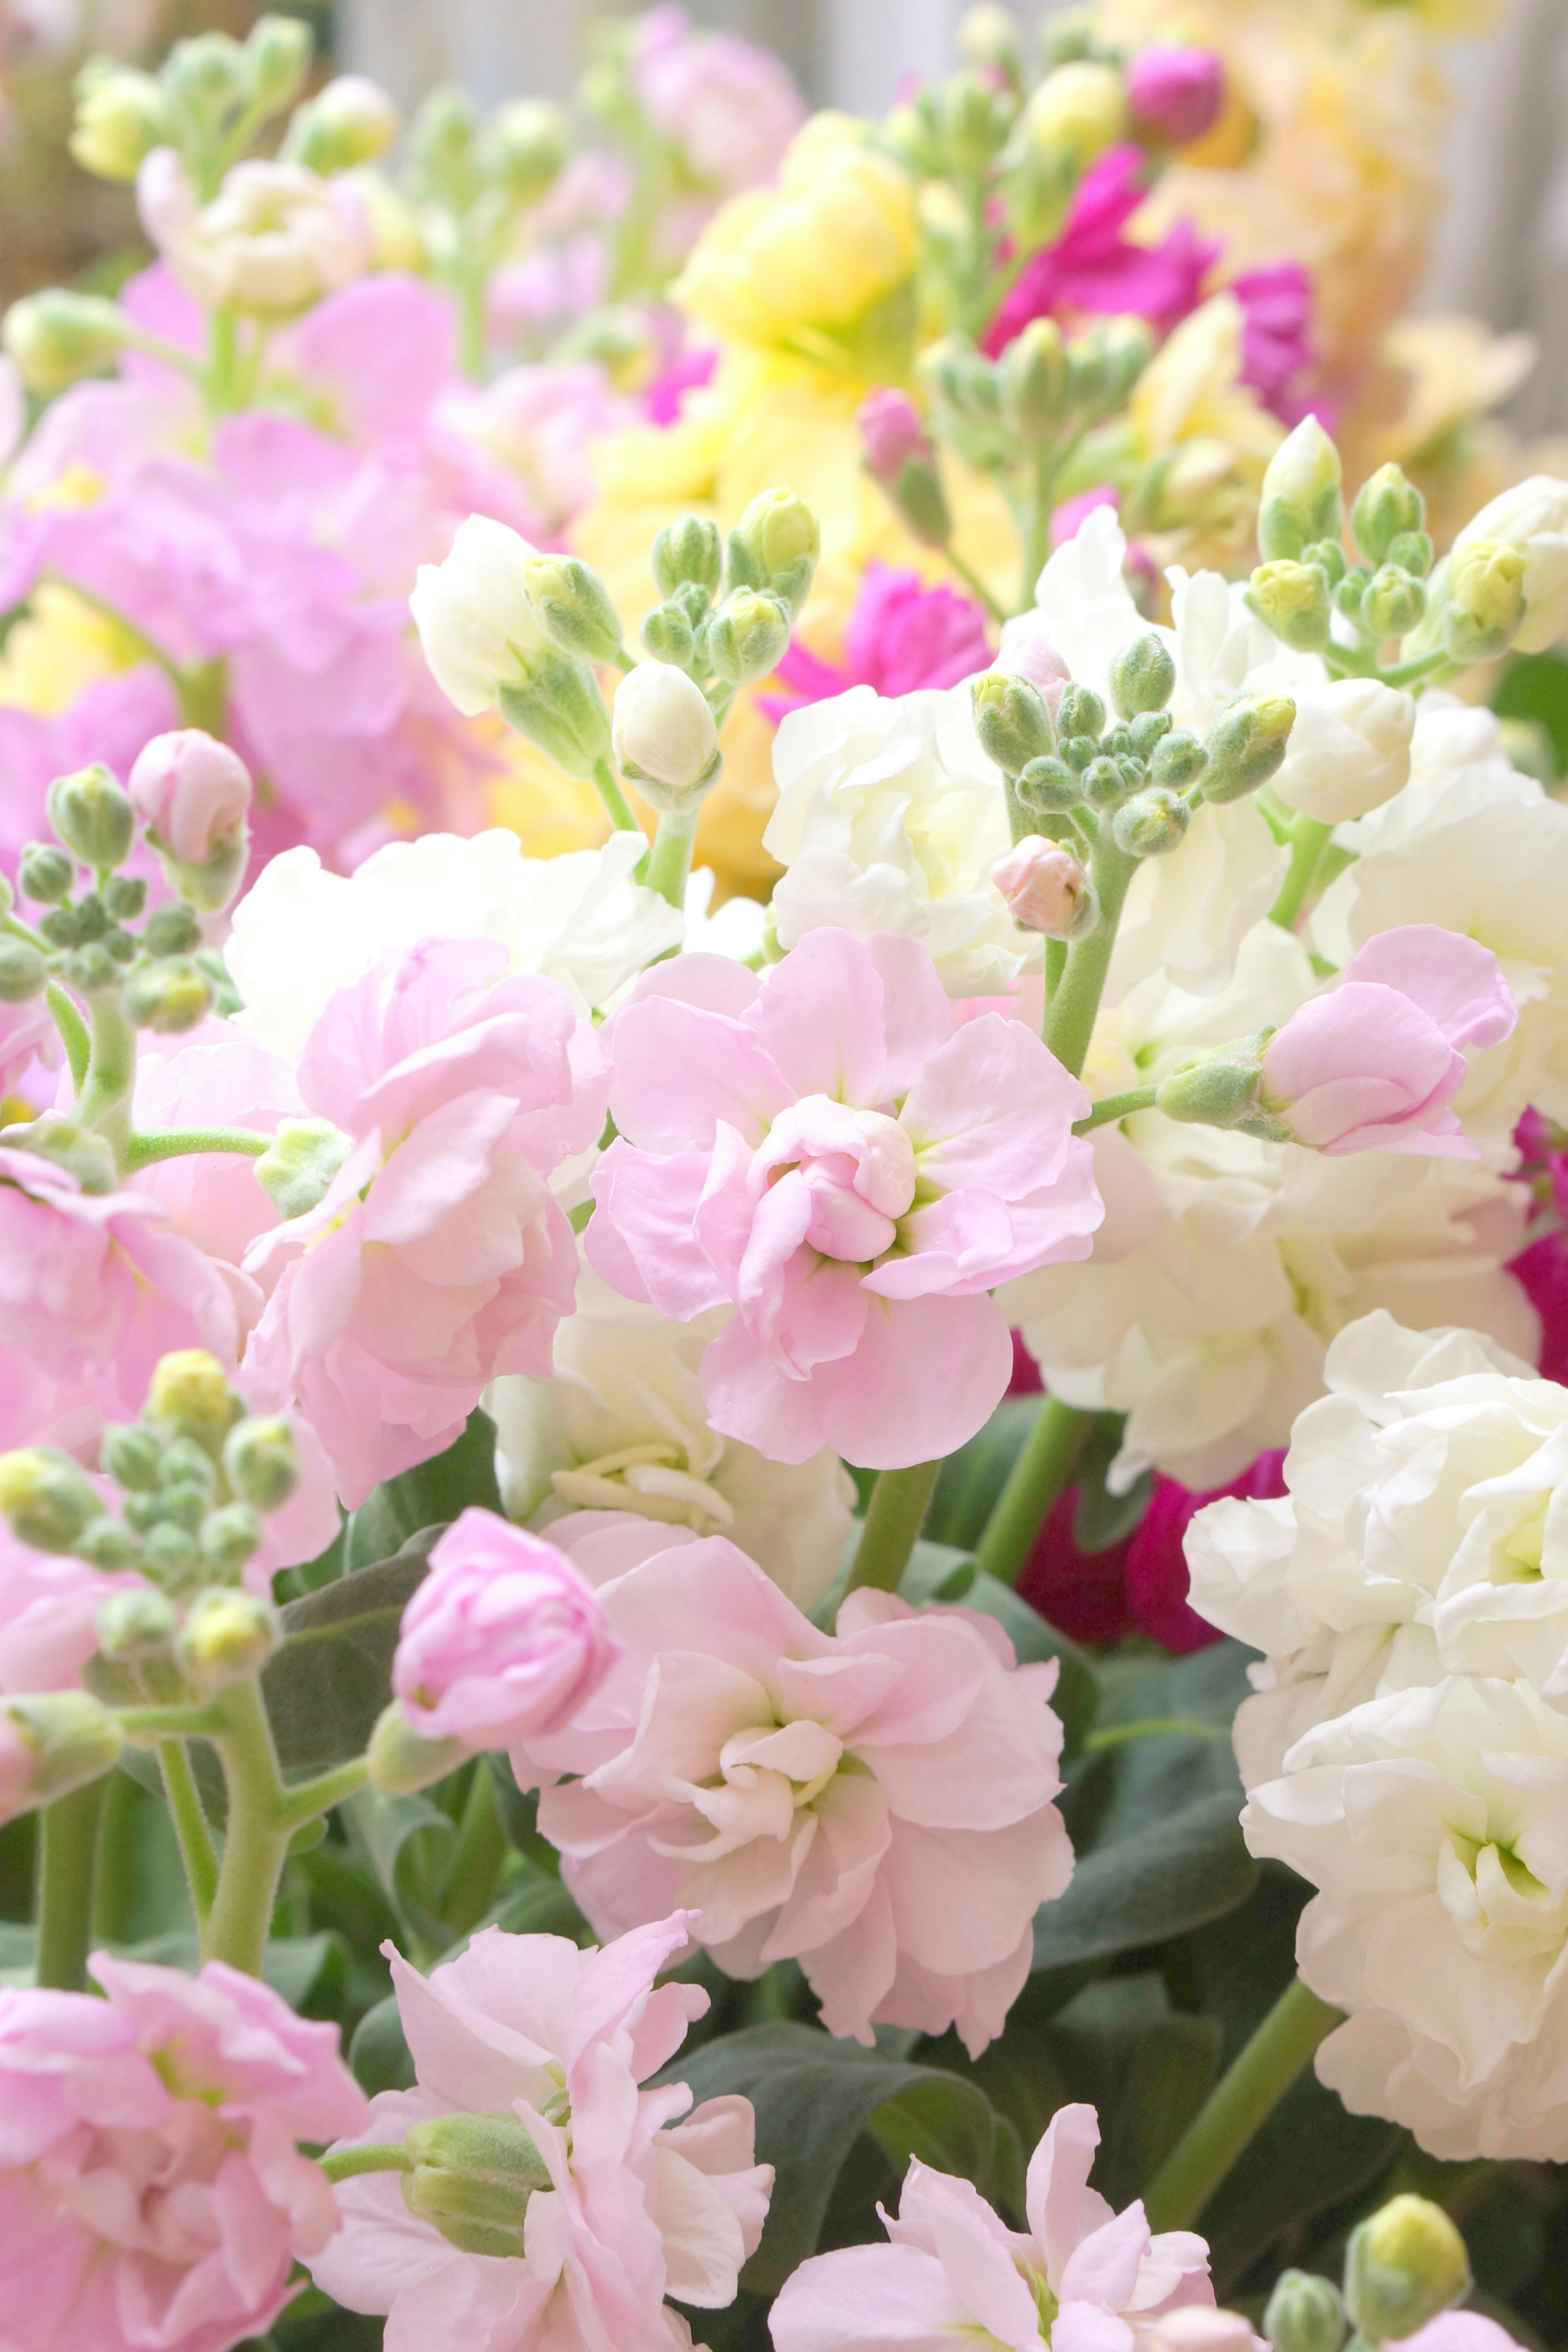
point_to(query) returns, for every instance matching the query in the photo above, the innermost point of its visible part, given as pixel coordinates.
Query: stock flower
(1349, 750)
(1091, 266)
(194, 793)
(152, 2194)
(436, 1258)
(1533, 518)
(1081, 2278)
(824, 1151)
(876, 1802)
(638, 2205)
(901, 636)
(273, 239)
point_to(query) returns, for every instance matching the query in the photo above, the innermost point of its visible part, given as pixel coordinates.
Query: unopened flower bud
(1102, 783)
(1049, 787)
(204, 79)
(226, 1636)
(666, 737)
(1034, 380)
(108, 1544)
(52, 1743)
(137, 1623)
(193, 793)
(774, 546)
(1142, 677)
(230, 1537)
(93, 816)
(476, 623)
(974, 116)
(524, 148)
(1391, 602)
(57, 337)
(1387, 506)
(1175, 91)
(688, 551)
(119, 119)
(1305, 2313)
(167, 997)
(746, 637)
(1412, 551)
(400, 1762)
(1044, 887)
(351, 121)
(169, 1551)
(471, 2180)
(46, 874)
(277, 58)
(1404, 2263)
(441, 146)
(573, 606)
(1485, 600)
(1246, 746)
(132, 1454)
(1151, 824)
(172, 931)
(261, 1460)
(1081, 108)
(1012, 720)
(23, 971)
(46, 1498)
(191, 1395)
(296, 1169)
(87, 1156)
(1215, 1090)
(668, 635)
(1293, 599)
(1301, 498)
(563, 710)
(1079, 712)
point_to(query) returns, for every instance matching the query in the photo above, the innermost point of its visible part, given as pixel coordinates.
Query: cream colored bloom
(274, 239)
(1350, 750)
(476, 623)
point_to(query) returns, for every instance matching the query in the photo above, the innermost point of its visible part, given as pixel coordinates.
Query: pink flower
(152, 2195)
(901, 636)
(1082, 2278)
(1371, 1065)
(891, 431)
(1026, 651)
(875, 1803)
(1093, 268)
(503, 1639)
(1068, 519)
(639, 2206)
(729, 106)
(827, 1150)
(1461, 2331)
(436, 1259)
(1042, 884)
(47, 1606)
(1175, 90)
(194, 793)
(1278, 303)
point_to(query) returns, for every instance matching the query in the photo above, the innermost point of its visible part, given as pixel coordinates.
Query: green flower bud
(167, 997)
(46, 874)
(1081, 711)
(1214, 1090)
(989, 36)
(91, 917)
(1404, 2263)
(226, 1636)
(204, 80)
(1103, 784)
(119, 119)
(1330, 558)
(1293, 599)
(746, 637)
(261, 1460)
(916, 493)
(573, 606)
(136, 1624)
(1152, 824)
(23, 971)
(1034, 382)
(472, 2179)
(1142, 677)
(1485, 600)
(132, 1454)
(1392, 604)
(441, 144)
(1012, 720)
(190, 1394)
(523, 149)
(124, 896)
(1304, 2313)
(143, 1511)
(87, 1156)
(172, 931)
(109, 1545)
(91, 970)
(93, 816)
(168, 1551)
(1246, 745)
(669, 637)
(1125, 347)
(61, 927)
(57, 337)
(276, 58)
(1149, 730)
(230, 1537)
(1413, 551)
(562, 710)
(72, 1737)
(1302, 498)
(774, 546)
(1351, 588)
(1048, 787)
(184, 1504)
(46, 1500)
(400, 1762)
(186, 1462)
(351, 121)
(1388, 506)
(688, 552)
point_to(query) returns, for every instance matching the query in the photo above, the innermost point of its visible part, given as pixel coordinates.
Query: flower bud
(109, 1545)
(1293, 599)
(93, 816)
(990, 36)
(1175, 91)
(899, 453)
(169, 1551)
(46, 874)
(193, 793)
(1011, 720)
(1391, 602)
(973, 118)
(167, 997)
(1485, 600)
(276, 58)
(261, 1460)
(563, 710)
(746, 637)
(297, 1168)
(1044, 887)
(476, 623)
(351, 121)
(132, 1454)
(1080, 712)
(472, 2179)
(668, 635)
(191, 1395)
(573, 606)
(204, 79)
(1177, 760)
(1103, 784)
(400, 1763)
(23, 971)
(1151, 824)
(775, 545)
(1413, 551)
(1034, 380)
(1305, 2313)
(119, 119)
(441, 146)
(688, 551)
(1081, 108)
(1217, 1090)
(1301, 498)
(52, 1743)
(57, 337)
(1104, 365)
(230, 1537)
(1404, 2263)
(46, 1498)
(136, 1624)
(226, 1636)
(1246, 746)
(1048, 787)
(524, 148)
(87, 1157)
(1387, 506)
(1142, 677)
(666, 737)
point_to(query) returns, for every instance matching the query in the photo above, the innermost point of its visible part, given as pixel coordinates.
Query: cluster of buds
(470, 175)
(210, 98)
(190, 798)
(1307, 588)
(1404, 2265)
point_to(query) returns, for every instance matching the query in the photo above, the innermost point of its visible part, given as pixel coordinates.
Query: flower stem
(975, 586)
(75, 1035)
(1154, 1726)
(1113, 1106)
(900, 1500)
(306, 1798)
(1309, 841)
(1237, 2108)
(1071, 1014)
(146, 1150)
(669, 860)
(67, 1867)
(346, 2162)
(617, 807)
(197, 1851)
(235, 1928)
(1042, 1472)
(104, 1100)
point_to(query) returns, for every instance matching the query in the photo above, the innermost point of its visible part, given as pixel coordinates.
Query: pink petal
(1457, 982)
(820, 1016)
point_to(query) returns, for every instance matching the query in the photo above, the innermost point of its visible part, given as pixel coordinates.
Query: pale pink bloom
(47, 1605)
(505, 1638)
(1460, 2331)
(875, 1803)
(728, 105)
(1373, 1065)
(1026, 652)
(772, 1134)
(1200, 2328)
(639, 2206)
(152, 2195)
(438, 1258)
(1176, 90)
(193, 792)
(215, 1075)
(1042, 884)
(891, 433)
(1081, 2279)
(27, 1032)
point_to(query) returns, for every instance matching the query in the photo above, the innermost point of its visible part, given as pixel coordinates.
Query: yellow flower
(1192, 391)
(62, 648)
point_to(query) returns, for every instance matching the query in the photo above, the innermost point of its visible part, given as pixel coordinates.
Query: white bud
(666, 737)
(478, 630)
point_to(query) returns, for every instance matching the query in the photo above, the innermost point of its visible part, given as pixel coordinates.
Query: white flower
(889, 819)
(1532, 516)
(1349, 751)
(275, 238)
(736, 930)
(665, 733)
(621, 1428)
(1083, 596)
(475, 622)
(302, 933)
(1435, 1824)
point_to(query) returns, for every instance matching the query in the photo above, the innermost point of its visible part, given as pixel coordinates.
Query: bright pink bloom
(876, 1802)
(729, 106)
(1279, 304)
(666, 395)
(1373, 1065)
(1042, 884)
(152, 2195)
(1175, 90)
(1093, 268)
(830, 1151)
(955, 2270)
(438, 1258)
(892, 431)
(504, 1639)
(194, 793)
(639, 2206)
(902, 636)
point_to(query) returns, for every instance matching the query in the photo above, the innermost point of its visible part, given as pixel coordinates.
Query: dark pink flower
(1278, 306)
(902, 636)
(1175, 90)
(1092, 266)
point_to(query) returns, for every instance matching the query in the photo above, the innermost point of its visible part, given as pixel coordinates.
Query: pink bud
(1026, 651)
(504, 1640)
(1199, 2328)
(1176, 90)
(193, 791)
(891, 433)
(1042, 884)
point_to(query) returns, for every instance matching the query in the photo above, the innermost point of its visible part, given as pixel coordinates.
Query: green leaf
(971, 1479)
(1535, 688)
(436, 1492)
(1146, 2068)
(406, 1838)
(937, 1572)
(379, 2056)
(814, 2097)
(1099, 1518)
(332, 1676)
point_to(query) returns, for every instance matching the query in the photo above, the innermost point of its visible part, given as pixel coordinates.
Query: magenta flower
(1080, 2279)
(639, 2206)
(831, 1152)
(902, 636)
(877, 1803)
(152, 2195)
(1093, 268)
(504, 1639)
(1175, 90)
(1278, 305)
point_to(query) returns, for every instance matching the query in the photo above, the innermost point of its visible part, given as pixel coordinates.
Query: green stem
(617, 806)
(176, 1143)
(1154, 1726)
(1412, 673)
(1237, 2107)
(1071, 1014)
(346, 2162)
(235, 1928)
(114, 1878)
(105, 1101)
(1038, 536)
(473, 341)
(669, 860)
(67, 1869)
(1111, 1106)
(900, 1501)
(75, 1035)
(155, 1723)
(1042, 1472)
(137, 339)
(223, 351)
(1056, 965)
(197, 1851)
(146, 646)
(477, 1862)
(973, 582)
(1309, 839)
(306, 1798)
